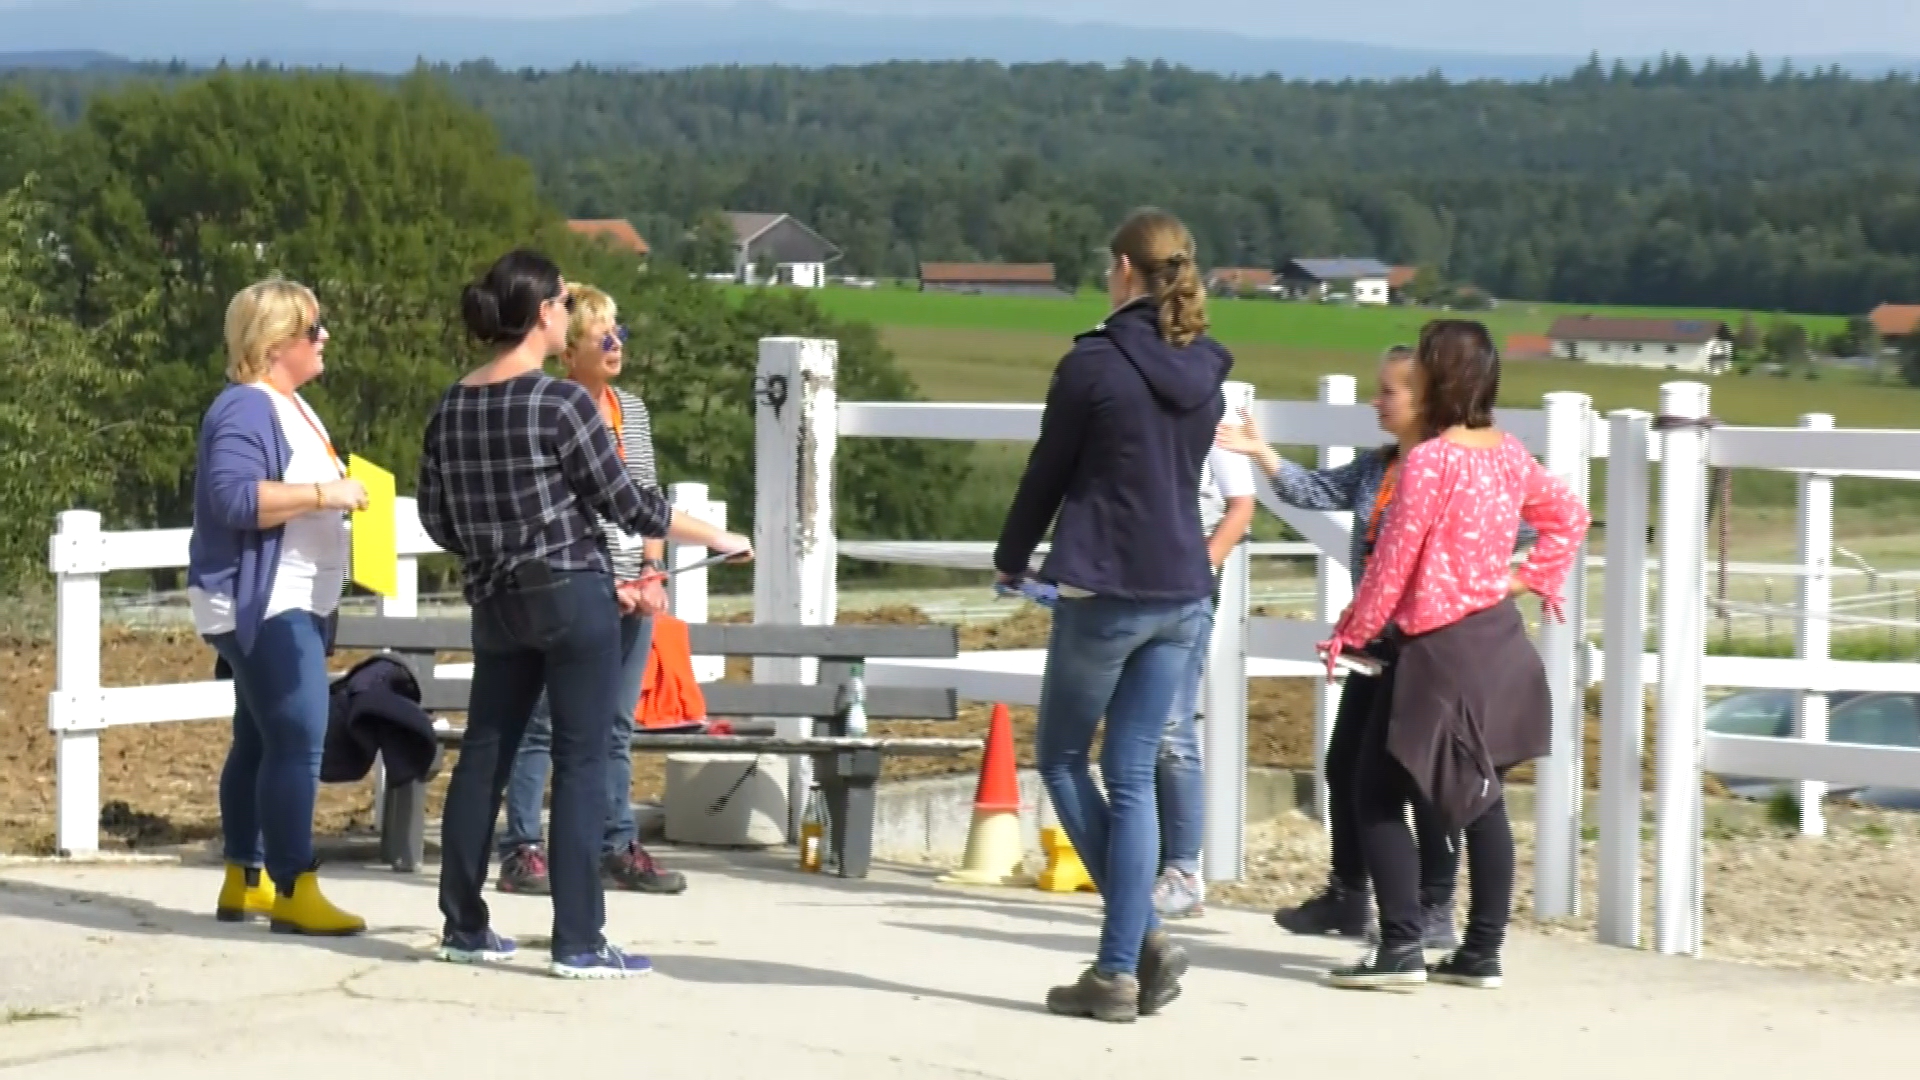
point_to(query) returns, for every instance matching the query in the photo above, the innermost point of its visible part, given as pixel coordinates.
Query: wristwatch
(654, 565)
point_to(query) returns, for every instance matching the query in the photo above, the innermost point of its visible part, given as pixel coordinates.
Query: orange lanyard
(314, 425)
(617, 420)
(1381, 498)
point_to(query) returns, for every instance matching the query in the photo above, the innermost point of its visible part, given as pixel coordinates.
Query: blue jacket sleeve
(1337, 488)
(235, 461)
(1050, 467)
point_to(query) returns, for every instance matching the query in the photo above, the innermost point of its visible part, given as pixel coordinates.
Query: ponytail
(1161, 250)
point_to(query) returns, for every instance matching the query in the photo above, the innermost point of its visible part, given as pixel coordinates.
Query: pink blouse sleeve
(1410, 518)
(1550, 507)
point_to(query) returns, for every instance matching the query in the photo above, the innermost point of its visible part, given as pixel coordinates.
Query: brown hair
(1459, 375)
(1161, 252)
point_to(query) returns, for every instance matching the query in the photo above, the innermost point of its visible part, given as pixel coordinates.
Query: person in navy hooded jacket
(1129, 419)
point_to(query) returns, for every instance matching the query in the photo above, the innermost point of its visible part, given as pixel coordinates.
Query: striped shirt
(525, 469)
(636, 447)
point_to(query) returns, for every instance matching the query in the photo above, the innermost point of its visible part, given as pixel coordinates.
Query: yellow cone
(995, 855)
(1065, 872)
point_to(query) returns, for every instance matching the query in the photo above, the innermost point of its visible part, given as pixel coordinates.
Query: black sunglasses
(315, 332)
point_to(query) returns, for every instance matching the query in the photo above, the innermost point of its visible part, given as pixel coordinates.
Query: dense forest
(123, 236)
(1675, 183)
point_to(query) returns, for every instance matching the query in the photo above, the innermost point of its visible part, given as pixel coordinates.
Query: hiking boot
(1162, 963)
(1338, 911)
(1481, 971)
(1388, 967)
(301, 909)
(524, 870)
(485, 947)
(1179, 895)
(635, 871)
(1112, 998)
(245, 893)
(602, 964)
(1436, 928)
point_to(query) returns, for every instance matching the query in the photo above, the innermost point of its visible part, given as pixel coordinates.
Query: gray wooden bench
(845, 766)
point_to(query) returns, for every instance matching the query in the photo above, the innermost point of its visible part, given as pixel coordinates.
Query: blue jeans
(1179, 781)
(272, 773)
(1123, 660)
(535, 758)
(563, 638)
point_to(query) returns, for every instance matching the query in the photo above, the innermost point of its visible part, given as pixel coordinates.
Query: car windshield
(1766, 713)
(1876, 720)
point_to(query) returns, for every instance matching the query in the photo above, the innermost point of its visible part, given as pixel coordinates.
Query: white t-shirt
(1225, 475)
(314, 547)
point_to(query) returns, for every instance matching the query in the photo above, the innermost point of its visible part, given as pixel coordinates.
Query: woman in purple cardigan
(266, 565)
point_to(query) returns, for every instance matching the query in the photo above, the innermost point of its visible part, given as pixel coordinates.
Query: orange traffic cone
(995, 855)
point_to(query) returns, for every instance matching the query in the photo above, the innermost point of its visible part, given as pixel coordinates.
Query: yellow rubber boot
(240, 901)
(307, 912)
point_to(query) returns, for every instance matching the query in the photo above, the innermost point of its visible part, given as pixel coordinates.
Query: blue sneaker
(485, 947)
(607, 963)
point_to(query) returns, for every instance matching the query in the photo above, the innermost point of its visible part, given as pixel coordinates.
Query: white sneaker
(1179, 895)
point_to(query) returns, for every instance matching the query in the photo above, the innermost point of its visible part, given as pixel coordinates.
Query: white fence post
(687, 592)
(77, 557)
(1333, 587)
(1623, 700)
(1815, 631)
(796, 423)
(1224, 738)
(403, 604)
(1560, 777)
(1680, 815)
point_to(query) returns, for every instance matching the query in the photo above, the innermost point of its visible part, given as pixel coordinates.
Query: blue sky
(1561, 27)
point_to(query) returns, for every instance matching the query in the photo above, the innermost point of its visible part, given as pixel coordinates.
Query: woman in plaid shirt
(517, 471)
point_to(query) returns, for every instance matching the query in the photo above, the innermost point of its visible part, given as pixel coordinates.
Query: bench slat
(707, 639)
(762, 699)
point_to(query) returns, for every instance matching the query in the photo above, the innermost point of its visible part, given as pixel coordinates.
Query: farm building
(1365, 281)
(1527, 347)
(1696, 345)
(1896, 321)
(997, 279)
(1241, 280)
(616, 232)
(776, 249)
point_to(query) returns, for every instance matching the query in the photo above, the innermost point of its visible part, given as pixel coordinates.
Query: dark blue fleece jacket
(1127, 426)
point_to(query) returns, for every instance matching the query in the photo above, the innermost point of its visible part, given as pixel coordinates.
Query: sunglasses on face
(613, 339)
(315, 332)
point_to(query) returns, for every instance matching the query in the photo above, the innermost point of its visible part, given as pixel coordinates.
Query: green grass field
(1238, 322)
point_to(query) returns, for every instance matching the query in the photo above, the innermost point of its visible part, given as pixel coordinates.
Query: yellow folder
(376, 555)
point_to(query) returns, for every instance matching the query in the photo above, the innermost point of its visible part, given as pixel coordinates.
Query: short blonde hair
(262, 317)
(592, 308)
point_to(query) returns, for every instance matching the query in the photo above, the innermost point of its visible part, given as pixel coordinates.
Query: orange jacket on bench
(669, 695)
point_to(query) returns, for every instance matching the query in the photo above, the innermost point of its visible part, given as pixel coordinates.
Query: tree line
(124, 233)
(1720, 184)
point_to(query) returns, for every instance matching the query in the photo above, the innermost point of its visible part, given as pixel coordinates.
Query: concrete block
(755, 815)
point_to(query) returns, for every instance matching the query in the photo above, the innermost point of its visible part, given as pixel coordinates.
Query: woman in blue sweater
(1129, 419)
(265, 566)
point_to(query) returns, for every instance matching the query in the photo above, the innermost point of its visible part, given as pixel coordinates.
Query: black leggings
(1439, 859)
(1382, 791)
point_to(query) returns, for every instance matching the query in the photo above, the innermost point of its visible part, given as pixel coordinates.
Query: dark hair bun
(480, 310)
(503, 307)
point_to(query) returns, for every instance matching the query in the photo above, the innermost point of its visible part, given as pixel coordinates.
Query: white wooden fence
(798, 425)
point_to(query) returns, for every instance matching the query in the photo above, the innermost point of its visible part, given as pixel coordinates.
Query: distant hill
(60, 60)
(670, 35)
